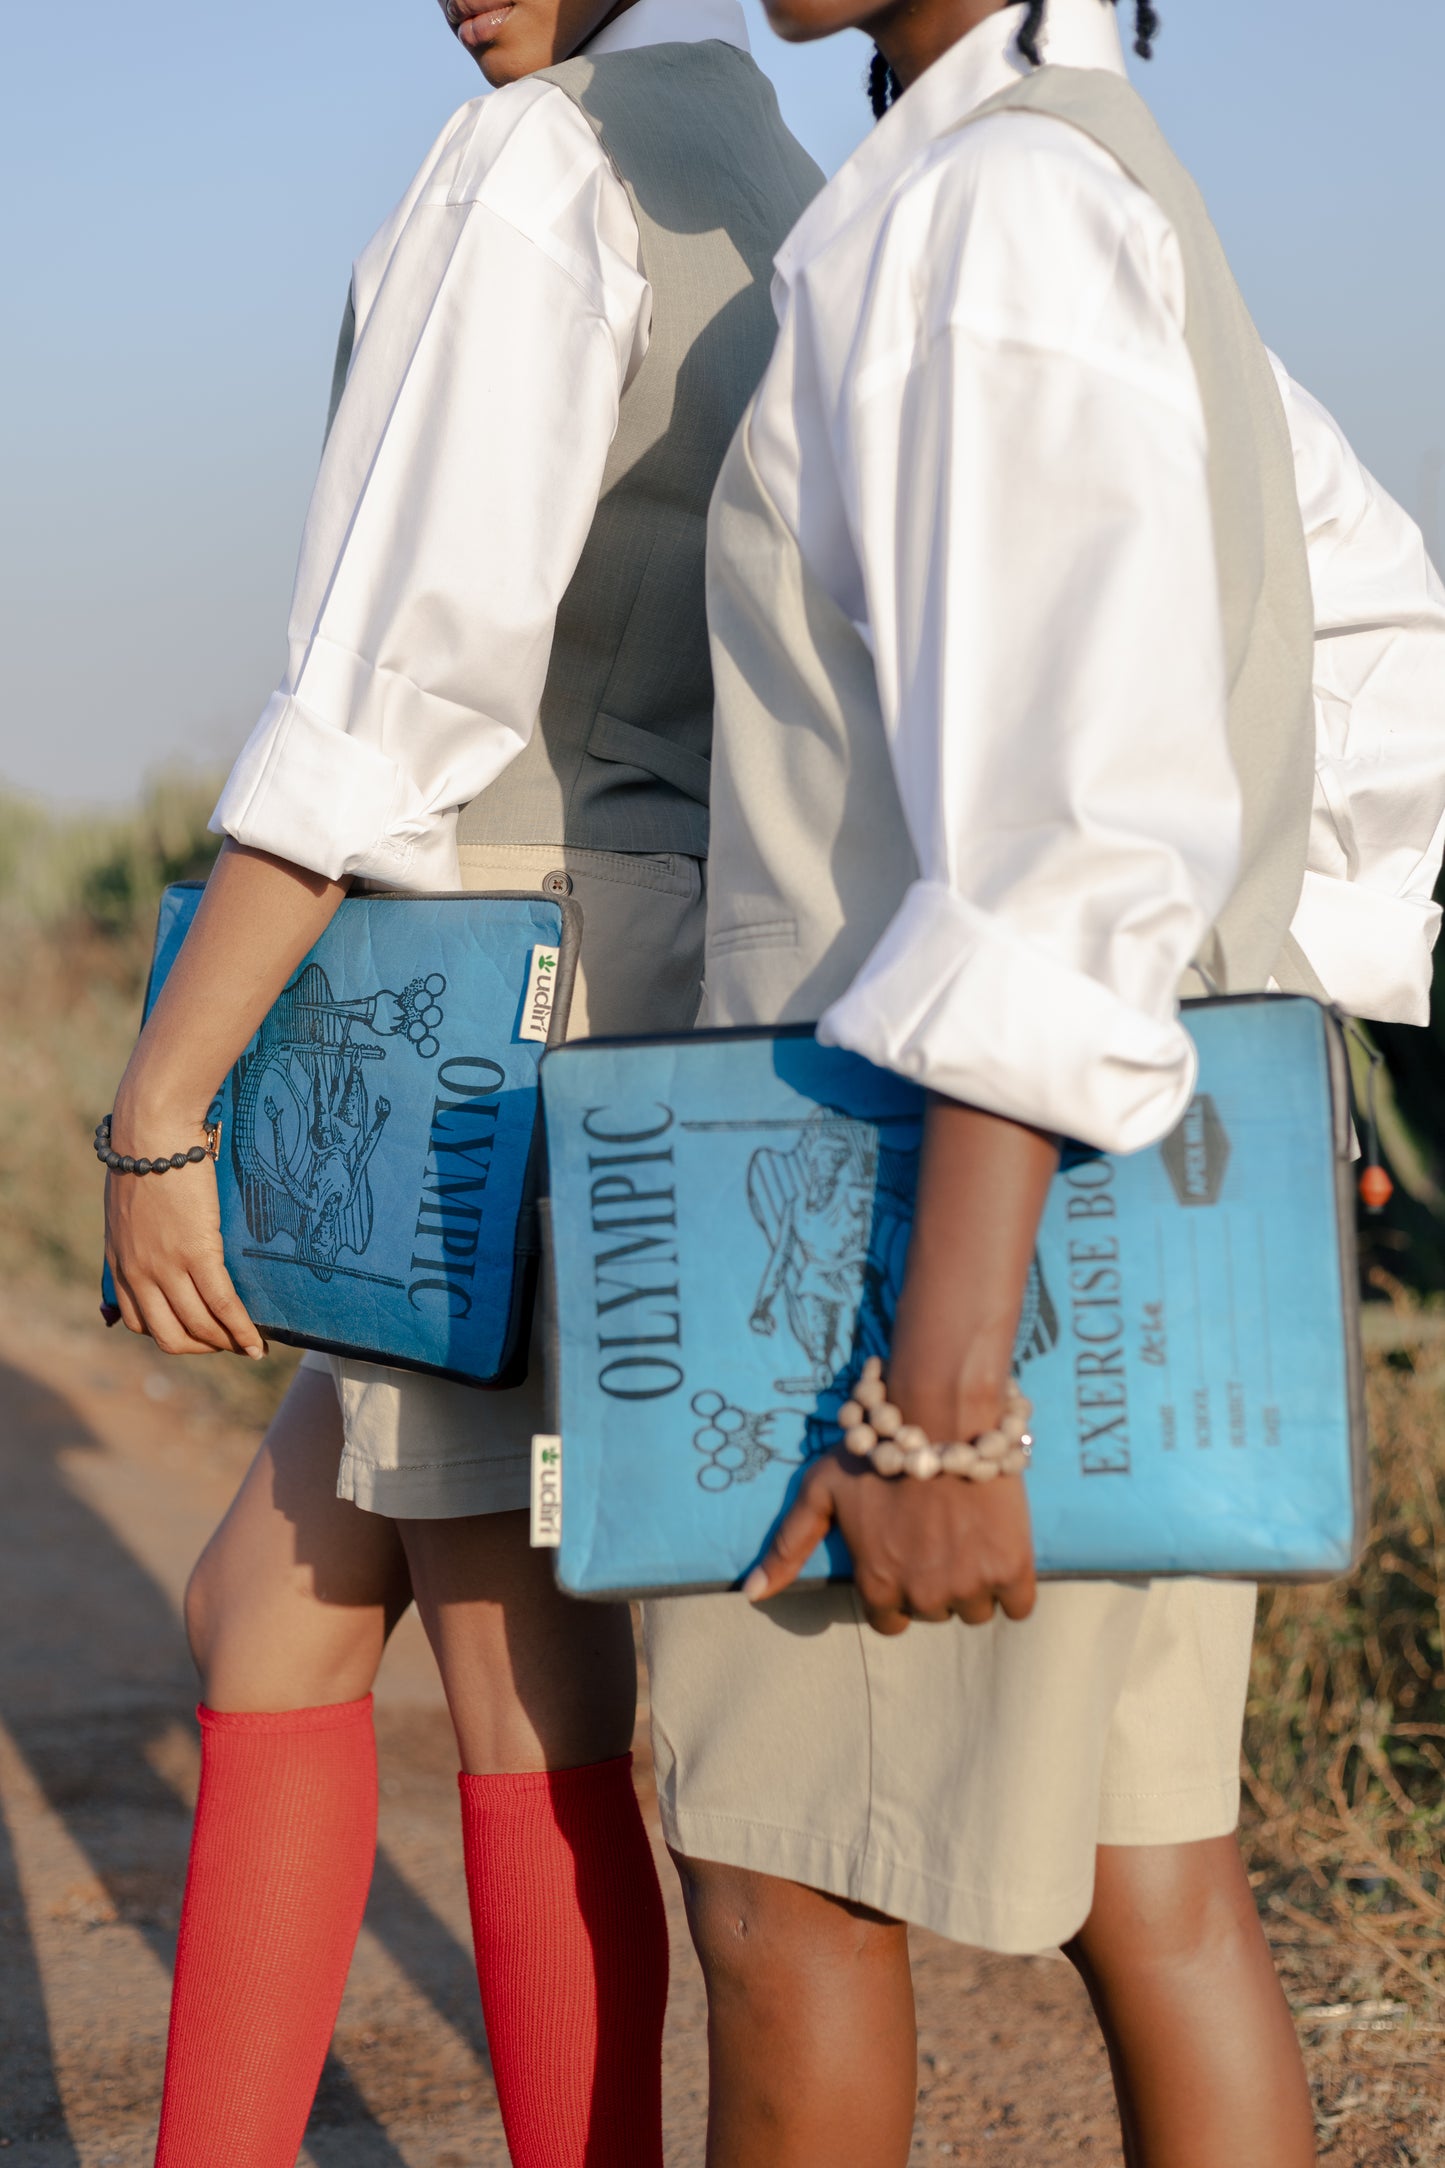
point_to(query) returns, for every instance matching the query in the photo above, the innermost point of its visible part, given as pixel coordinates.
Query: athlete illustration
(835, 1208)
(835, 1211)
(305, 1128)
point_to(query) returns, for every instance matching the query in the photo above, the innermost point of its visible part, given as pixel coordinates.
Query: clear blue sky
(182, 189)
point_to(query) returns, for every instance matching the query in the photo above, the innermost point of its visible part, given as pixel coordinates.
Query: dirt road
(111, 1474)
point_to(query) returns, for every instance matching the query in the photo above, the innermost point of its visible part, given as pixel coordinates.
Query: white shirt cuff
(1372, 951)
(955, 1000)
(322, 799)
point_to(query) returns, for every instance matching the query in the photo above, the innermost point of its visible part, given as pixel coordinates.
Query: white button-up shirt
(984, 426)
(500, 313)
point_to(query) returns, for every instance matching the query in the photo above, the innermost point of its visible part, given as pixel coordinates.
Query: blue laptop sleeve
(729, 1218)
(381, 1136)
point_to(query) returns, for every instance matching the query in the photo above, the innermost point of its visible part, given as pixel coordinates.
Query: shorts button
(557, 884)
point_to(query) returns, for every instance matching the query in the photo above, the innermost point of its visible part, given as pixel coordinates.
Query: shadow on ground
(94, 1675)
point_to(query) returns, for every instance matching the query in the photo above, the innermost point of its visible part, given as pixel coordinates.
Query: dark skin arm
(258, 918)
(948, 1548)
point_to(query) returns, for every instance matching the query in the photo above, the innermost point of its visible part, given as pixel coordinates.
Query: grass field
(1345, 1746)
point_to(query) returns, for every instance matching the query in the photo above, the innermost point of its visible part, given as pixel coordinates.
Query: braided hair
(1146, 30)
(884, 88)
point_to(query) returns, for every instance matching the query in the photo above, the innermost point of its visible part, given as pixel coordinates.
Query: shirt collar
(672, 22)
(1078, 34)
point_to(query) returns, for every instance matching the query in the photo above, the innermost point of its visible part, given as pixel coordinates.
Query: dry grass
(77, 910)
(1344, 1760)
(77, 916)
(1345, 1743)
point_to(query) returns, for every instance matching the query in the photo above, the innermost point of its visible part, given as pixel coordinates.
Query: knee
(216, 1625)
(755, 1933)
(725, 1909)
(199, 1613)
(1170, 1910)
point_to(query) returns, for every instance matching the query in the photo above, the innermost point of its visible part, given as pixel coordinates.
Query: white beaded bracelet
(875, 1430)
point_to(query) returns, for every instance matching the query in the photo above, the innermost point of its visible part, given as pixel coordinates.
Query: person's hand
(948, 1548)
(163, 1245)
(929, 1551)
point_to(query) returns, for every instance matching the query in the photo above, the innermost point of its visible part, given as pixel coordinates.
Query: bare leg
(534, 1679)
(811, 2034)
(1206, 2064)
(293, 1599)
(294, 1596)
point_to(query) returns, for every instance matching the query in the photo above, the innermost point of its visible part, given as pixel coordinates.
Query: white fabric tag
(541, 994)
(546, 1492)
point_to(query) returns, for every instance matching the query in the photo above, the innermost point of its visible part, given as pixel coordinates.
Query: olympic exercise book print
(377, 1135)
(729, 1225)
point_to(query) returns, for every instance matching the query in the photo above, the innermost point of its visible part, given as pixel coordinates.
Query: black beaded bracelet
(122, 1163)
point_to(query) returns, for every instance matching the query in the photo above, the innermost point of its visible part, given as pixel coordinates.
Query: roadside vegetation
(78, 900)
(77, 908)
(1344, 1773)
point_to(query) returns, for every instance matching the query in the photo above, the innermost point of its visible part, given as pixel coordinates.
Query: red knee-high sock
(572, 1957)
(281, 1862)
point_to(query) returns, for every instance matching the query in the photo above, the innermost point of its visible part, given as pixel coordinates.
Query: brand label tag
(546, 1492)
(541, 994)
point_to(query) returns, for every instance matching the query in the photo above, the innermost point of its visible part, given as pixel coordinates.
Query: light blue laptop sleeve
(380, 1145)
(729, 1218)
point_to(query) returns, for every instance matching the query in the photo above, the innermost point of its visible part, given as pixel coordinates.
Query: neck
(611, 16)
(912, 34)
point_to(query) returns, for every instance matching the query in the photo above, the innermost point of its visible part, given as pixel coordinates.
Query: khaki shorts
(420, 1448)
(959, 1777)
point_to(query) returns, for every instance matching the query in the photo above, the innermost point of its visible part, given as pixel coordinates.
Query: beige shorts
(420, 1448)
(958, 1777)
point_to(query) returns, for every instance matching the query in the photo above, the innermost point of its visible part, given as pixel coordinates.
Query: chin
(798, 22)
(513, 51)
(507, 60)
(500, 67)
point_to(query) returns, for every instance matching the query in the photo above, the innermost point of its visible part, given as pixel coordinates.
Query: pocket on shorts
(526, 865)
(666, 873)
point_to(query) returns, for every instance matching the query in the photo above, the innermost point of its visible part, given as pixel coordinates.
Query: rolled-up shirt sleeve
(1029, 498)
(1367, 917)
(458, 484)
